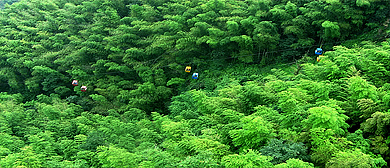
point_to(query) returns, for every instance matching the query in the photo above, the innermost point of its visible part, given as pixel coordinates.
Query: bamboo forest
(194, 83)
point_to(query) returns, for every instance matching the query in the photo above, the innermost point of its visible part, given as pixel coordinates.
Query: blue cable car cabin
(195, 76)
(318, 51)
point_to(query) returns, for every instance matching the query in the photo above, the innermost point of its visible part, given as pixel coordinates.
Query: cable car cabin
(195, 76)
(75, 83)
(188, 69)
(83, 88)
(318, 51)
(319, 58)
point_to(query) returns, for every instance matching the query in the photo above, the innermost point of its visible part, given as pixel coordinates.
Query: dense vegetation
(261, 99)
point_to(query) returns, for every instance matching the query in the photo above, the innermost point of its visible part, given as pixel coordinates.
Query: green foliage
(331, 29)
(94, 140)
(255, 133)
(360, 89)
(268, 114)
(175, 130)
(184, 105)
(116, 157)
(154, 156)
(367, 107)
(98, 98)
(359, 141)
(147, 135)
(351, 159)
(194, 145)
(210, 105)
(292, 99)
(43, 143)
(326, 117)
(295, 163)
(133, 114)
(26, 158)
(363, 3)
(325, 144)
(10, 143)
(320, 90)
(282, 151)
(378, 124)
(146, 97)
(377, 127)
(203, 159)
(252, 95)
(142, 110)
(175, 81)
(247, 160)
(266, 35)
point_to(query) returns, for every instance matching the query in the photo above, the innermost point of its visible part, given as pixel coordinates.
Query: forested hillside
(261, 99)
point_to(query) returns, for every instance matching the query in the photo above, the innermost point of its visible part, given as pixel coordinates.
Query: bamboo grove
(261, 99)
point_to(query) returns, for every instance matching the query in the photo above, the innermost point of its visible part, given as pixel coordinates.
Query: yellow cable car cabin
(188, 69)
(319, 58)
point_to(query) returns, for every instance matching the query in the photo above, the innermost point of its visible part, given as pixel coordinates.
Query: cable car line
(188, 63)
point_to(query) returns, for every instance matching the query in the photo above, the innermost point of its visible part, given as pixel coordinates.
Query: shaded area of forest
(261, 99)
(6, 2)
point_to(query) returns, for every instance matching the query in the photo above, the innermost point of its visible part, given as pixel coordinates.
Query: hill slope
(261, 99)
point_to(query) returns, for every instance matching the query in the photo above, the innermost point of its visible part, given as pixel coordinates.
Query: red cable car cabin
(83, 88)
(75, 83)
